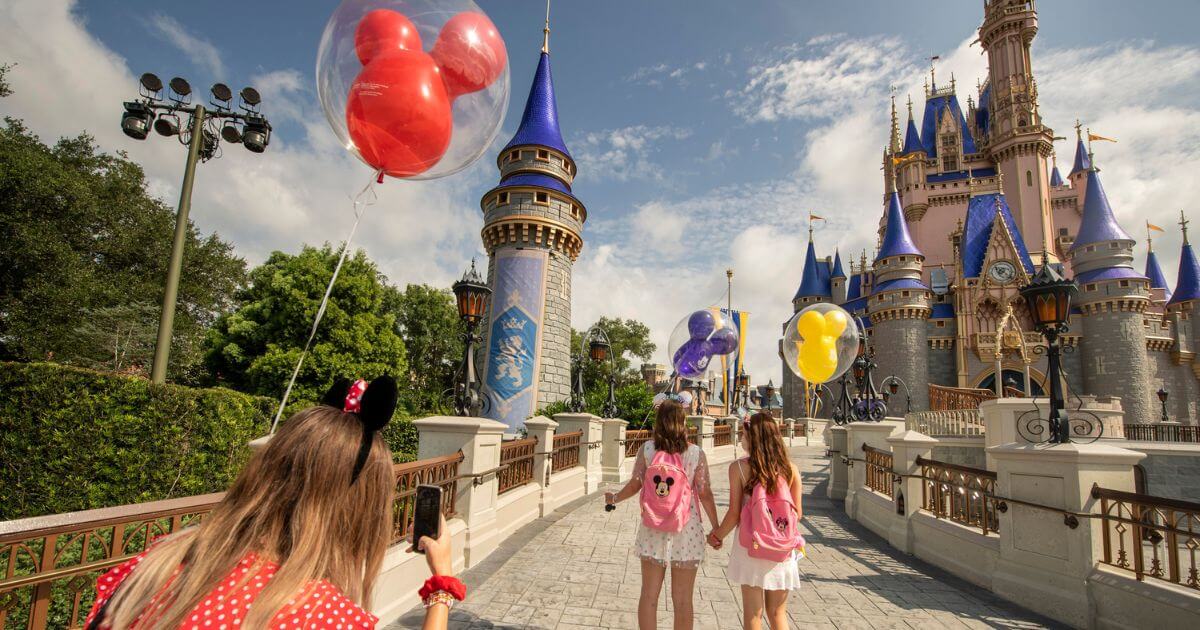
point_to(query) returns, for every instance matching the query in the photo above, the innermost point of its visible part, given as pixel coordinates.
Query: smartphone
(427, 517)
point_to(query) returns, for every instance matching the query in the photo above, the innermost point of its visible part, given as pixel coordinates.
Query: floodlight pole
(166, 323)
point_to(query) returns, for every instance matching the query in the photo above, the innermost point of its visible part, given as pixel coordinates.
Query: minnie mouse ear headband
(683, 398)
(372, 403)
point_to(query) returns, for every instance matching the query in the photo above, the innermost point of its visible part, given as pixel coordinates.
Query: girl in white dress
(683, 551)
(764, 583)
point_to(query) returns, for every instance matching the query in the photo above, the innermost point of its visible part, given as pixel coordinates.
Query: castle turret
(1160, 292)
(815, 282)
(899, 305)
(912, 139)
(837, 279)
(1112, 298)
(1083, 162)
(1056, 180)
(1181, 309)
(532, 232)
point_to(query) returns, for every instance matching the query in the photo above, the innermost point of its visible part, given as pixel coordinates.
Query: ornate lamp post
(202, 136)
(868, 404)
(1049, 297)
(743, 388)
(595, 346)
(471, 293)
(1162, 398)
(893, 383)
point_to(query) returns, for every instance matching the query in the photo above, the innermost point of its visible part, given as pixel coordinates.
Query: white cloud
(297, 192)
(654, 75)
(625, 153)
(201, 51)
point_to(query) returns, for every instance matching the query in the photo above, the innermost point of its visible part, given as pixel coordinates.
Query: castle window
(904, 294)
(1114, 245)
(903, 258)
(502, 198)
(1090, 287)
(1062, 231)
(1124, 283)
(1029, 178)
(1091, 248)
(543, 155)
(541, 197)
(940, 324)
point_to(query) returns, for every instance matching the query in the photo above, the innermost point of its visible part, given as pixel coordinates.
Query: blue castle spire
(896, 239)
(912, 139)
(1154, 272)
(1083, 161)
(539, 123)
(1098, 223)
(1056, 179)
(837, 265)
(1187, 287)
(815, 281)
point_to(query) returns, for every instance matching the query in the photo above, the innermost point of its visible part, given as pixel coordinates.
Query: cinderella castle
(974, 205)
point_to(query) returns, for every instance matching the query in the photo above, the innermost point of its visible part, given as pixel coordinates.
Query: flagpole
(729, 309)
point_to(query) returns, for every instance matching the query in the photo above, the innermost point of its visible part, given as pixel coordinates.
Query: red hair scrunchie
(447, 583)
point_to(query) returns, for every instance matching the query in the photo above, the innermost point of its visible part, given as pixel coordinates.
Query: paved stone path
(574, 569)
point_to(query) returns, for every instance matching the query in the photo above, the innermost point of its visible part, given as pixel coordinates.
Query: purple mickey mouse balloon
(701, 324)
(692, 358)
(723, 341)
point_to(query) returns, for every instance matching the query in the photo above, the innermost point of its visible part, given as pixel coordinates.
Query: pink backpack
(666, 493)
(768, 528)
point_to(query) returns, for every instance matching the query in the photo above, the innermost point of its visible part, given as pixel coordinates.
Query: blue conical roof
(1154, 272)
(1188, 285)
(539, 123)
(896, 239)
(837, 266)
(815, 281)
(1082, 161)
(1056, 179)
(912, 140)
(1098, 223)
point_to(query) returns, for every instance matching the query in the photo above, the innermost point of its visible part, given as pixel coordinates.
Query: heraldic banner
(514, 335)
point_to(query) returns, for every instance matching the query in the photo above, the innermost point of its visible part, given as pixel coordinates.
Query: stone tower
(1183, 306)
(899, 306)
(1112, 299)
(1018, 142)
(532, 232)
(815, 287)
(837, 279)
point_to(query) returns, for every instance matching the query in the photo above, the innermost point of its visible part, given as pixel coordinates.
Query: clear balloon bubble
(416, 89)
(820, 343)
(702, 345)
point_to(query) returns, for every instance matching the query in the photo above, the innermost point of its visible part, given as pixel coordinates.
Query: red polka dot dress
(324, 607)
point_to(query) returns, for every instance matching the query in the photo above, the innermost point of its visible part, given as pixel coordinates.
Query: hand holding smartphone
(427, 516)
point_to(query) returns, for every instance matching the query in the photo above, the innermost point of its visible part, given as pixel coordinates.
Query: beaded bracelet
(440, 597)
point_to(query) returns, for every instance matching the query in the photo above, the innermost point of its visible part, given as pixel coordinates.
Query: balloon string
(364, 198)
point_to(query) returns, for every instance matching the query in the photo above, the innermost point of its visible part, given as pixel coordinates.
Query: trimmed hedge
(74, 439)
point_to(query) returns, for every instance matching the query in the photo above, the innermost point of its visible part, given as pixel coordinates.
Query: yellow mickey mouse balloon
(820, 343)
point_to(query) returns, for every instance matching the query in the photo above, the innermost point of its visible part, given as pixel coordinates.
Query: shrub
(74, 439)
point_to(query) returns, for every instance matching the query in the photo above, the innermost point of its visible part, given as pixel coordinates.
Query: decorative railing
(949, 423)
(693, 435)
(722, 435)
(49, 564)
(1150, 536)
(879, 477)
(634, 441)
(516, 463)
(1162, 432)
(961, 494)
(943, 398)
(565, 453)
(436, 471)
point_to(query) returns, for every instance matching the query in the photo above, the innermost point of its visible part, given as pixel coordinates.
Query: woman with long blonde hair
(298, 541)
(766, 482)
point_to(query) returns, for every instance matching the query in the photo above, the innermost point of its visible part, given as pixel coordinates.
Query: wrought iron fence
(634, 441)
(943, 398)
(49, 564)
(1162, 432)
(516, 463)
(961, 494)
(437, 471)
(566, 451)
(722, 435)
(1150, 536)
(880, 476)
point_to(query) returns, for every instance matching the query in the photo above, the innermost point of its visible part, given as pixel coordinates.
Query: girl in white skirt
(682, 551)
(764, 583)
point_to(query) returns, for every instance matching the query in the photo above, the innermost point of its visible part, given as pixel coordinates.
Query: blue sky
(704, 131)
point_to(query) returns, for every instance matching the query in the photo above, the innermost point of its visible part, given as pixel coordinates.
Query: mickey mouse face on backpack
(781, 522)
(662, 487)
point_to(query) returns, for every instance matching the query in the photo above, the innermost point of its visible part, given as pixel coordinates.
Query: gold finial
(1149, 239)
(1091, 156)
(910, 107)
(953, 84)
(1183, 223)
(729, 273)
(1078, 130)
(546, 30)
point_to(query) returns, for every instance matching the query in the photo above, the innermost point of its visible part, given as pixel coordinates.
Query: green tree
(630, 340)
(634, 403)
(82, 240)
(427, 319)
(255, 348)
(5, 88)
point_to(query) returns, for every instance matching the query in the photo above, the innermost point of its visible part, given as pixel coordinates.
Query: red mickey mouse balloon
(398, 113)
(470, 52)
(382, 31)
